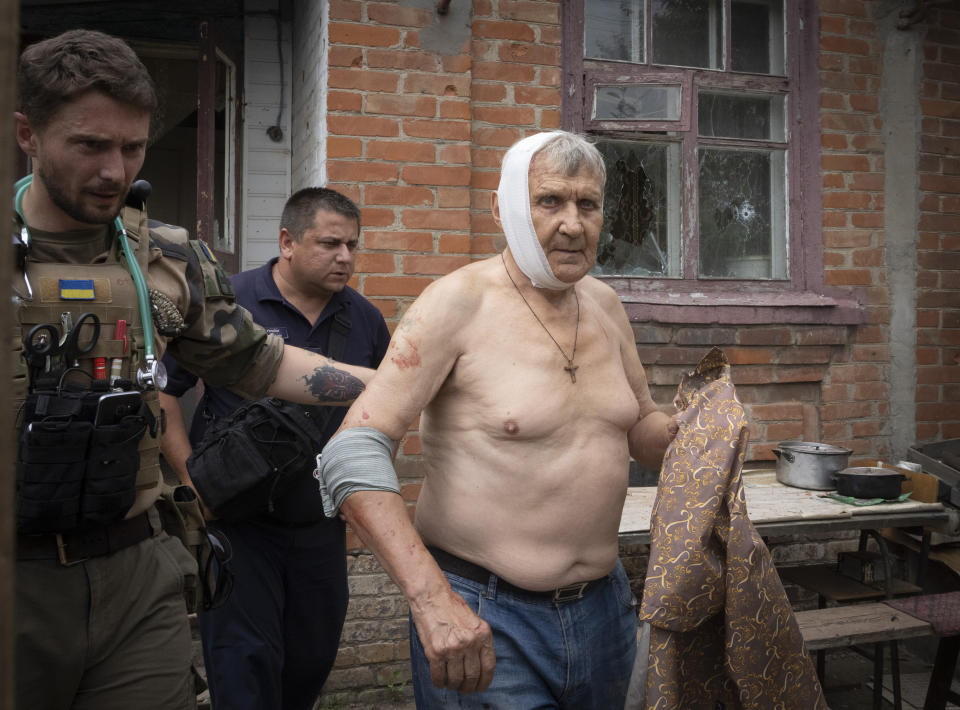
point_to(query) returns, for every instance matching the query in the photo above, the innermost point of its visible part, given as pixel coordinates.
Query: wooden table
(779, 510)
(776, 509)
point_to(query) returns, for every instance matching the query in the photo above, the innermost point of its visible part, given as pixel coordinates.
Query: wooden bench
(857, 624)
(831, 585)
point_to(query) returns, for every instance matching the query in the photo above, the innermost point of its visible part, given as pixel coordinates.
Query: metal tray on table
(942, 459)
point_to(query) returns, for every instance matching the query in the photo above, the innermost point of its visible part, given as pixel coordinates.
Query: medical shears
(44, 343)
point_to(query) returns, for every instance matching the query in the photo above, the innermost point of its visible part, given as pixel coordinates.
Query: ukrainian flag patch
(207, 251)
(77, 290)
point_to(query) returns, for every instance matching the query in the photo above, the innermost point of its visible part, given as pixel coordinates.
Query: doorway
(193, 51)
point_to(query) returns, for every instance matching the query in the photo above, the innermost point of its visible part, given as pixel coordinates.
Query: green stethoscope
(152, 374)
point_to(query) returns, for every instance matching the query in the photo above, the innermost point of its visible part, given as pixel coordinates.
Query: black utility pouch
(68, 402)
(73, 470)
(51, 460)
(112, 463)
(247, 461)
(231, 467)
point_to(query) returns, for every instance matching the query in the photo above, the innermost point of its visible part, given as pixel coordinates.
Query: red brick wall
(852, 141)
(416, 137)
(779, 372)
(399, 125)
(938, 248)
(853, 398)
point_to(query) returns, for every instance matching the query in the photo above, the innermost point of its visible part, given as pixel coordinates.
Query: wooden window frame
(801, 298)
(215, 46)
(614, 75)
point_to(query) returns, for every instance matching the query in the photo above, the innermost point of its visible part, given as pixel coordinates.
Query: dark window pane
(223, 218)
(758, 116)
(757, 38)
(613, 29)
(688, 33)
(639, 213)
(742, 202)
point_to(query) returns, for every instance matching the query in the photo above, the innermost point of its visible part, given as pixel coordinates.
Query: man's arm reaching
(175, 443)
(456, 641)
(424, 348)
(650, 437)
(308, 378)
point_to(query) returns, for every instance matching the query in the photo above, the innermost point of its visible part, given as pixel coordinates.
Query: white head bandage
(513, 197)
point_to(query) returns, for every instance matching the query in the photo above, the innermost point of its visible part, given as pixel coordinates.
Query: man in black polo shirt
(273, 642)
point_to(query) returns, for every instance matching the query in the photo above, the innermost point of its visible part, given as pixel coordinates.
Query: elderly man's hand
(458, 643)
(673, 426)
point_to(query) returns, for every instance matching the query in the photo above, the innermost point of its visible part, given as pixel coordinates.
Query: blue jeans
(576, 654)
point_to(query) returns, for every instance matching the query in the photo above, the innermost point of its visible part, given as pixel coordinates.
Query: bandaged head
(513, 198)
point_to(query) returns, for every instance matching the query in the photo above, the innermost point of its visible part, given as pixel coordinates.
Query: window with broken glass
(691, 104)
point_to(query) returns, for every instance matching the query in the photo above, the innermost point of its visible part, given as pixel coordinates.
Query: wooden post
(206, 135)
(9, 50)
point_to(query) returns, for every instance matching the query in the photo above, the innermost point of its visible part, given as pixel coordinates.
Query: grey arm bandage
(359, 459)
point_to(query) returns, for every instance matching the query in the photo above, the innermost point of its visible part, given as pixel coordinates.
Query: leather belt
(74, 547)
(475, 573)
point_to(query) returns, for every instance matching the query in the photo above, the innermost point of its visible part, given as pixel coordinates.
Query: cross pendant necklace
(570, 367)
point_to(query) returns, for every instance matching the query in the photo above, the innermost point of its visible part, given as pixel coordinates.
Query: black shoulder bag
(248, 460)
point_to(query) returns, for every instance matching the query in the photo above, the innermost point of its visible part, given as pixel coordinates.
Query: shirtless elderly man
(533, 399)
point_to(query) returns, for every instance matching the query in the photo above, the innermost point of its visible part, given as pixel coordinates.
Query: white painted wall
(310, 42)
(266, 164)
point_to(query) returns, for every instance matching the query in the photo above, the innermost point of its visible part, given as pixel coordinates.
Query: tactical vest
(113, 298)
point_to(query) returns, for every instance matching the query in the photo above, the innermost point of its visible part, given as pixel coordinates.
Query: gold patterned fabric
(721, 627)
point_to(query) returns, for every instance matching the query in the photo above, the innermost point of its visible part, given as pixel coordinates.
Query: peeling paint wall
(900, 113)
(309, 139)
(448, 34)
(267, 167)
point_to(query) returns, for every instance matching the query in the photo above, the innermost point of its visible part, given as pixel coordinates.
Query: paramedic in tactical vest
(101, 622)
(272, 643)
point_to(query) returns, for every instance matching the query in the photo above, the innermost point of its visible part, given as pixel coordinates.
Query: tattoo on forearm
(329, 384)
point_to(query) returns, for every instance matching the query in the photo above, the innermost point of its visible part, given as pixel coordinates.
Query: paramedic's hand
(458, 643)
(207, 513)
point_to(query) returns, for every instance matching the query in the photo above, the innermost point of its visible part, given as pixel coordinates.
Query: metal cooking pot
(869, 482)
(808, 464)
